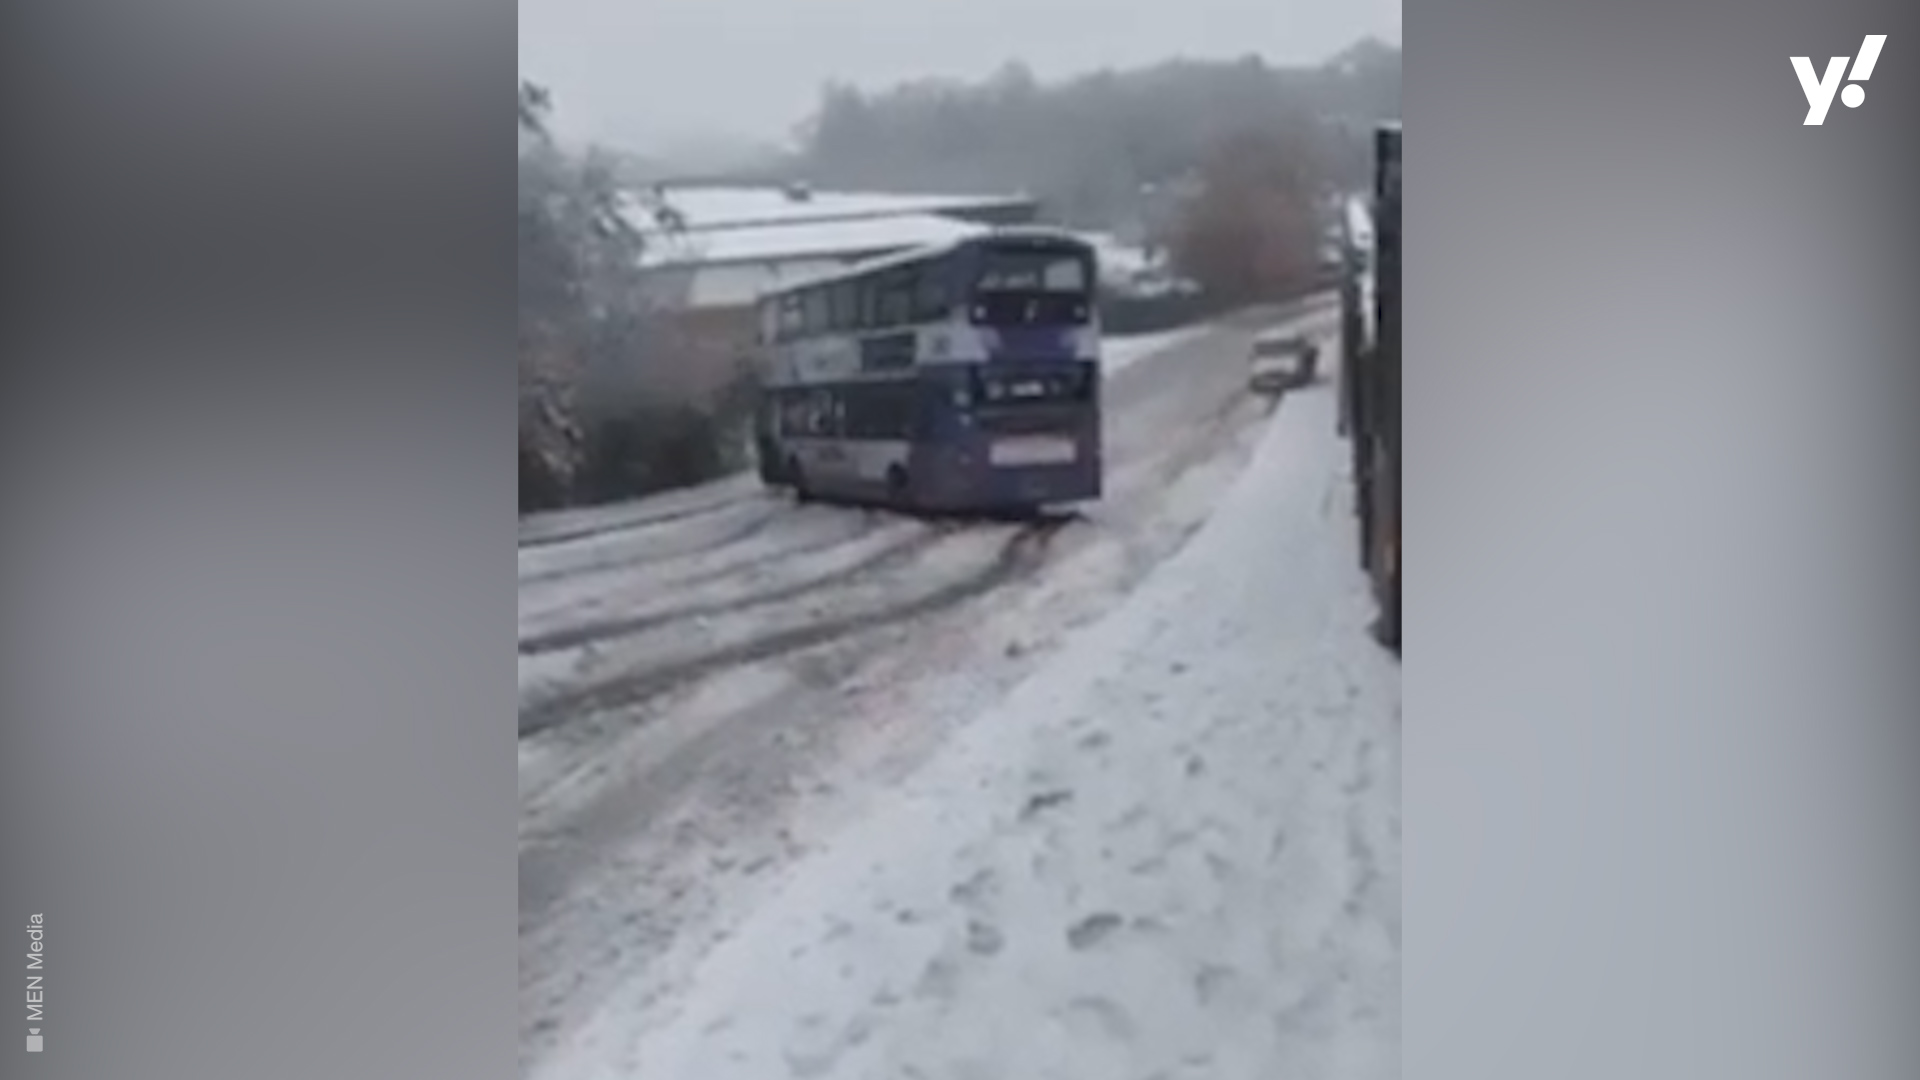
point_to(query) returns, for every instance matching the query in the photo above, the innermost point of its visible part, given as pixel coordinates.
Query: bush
(655, 446)
(650, 450)
(613, 403)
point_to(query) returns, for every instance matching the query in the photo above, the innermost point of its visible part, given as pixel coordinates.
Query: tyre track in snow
(649, 546)
(591, 590)
(1020, 553)
(637, 524)
(902, 547)
(643, 515)
(835, 528)
(1145, 476)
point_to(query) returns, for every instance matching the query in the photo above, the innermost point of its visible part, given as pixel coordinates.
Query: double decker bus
(963, 377)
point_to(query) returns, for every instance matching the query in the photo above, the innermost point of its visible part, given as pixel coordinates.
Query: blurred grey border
(1662, 729)
(258, 769)
(258, 761)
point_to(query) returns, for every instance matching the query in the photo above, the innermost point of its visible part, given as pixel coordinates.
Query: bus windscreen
(1031, 270)
(1025, 285)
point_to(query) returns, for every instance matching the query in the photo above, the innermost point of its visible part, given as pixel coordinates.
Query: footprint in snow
(1151, 866)
(1221, 868)
(939, 980)
(1218, 986)
(1047, 864)
(1092, 930)
(1097, 1018)
(1042, 802)
(1150, 927)
(975, 889)
(984, 939)
(817, 1048)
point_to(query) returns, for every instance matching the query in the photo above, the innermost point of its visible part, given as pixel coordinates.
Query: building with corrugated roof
(723, 246)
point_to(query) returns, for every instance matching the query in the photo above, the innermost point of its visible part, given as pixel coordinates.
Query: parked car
(1282, 359)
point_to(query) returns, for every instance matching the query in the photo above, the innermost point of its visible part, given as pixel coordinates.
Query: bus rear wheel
(797, 477)
(900, 488)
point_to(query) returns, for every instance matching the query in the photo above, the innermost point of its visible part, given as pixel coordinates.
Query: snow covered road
(1172, 852)
(717, 684)
(1119, 354)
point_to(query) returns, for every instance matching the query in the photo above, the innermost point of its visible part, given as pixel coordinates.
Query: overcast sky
(641, 71)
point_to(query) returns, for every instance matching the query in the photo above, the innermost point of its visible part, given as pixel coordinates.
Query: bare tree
(1251, 232)
(579, 261)
(616, 399)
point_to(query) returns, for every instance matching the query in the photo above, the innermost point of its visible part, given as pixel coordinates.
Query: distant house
(1131, 271)
(711, 251)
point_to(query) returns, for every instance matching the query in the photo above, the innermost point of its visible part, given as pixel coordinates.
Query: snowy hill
(1174, 851)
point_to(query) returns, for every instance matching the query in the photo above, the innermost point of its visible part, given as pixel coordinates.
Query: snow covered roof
(905, 253)
(809, 239)
(704, 209)
(1119, 261)
(758, 224)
